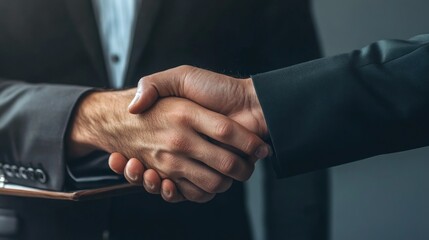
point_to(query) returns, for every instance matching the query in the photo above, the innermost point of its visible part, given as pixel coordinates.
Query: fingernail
(135, 99)
(132, 176)
(149, 184)
(166, 193)
(262, 152)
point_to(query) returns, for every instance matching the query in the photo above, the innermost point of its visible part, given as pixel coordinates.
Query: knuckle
(171, 165)
(228, 164)
(250, 145)
(181, 114)
(178, 143)
(185, 68)
(219, 184)
(146, 79)
(224, 129)
(180, 110)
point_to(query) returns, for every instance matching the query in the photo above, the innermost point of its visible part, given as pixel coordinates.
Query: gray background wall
(385, 197)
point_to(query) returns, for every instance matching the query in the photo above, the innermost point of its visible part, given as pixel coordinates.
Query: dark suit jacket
(50, 55)
(348, 107)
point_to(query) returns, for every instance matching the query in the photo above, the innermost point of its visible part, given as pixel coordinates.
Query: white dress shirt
(116, 23)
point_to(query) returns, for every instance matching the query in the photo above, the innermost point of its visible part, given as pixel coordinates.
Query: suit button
(7, 170)
(23, 172)
(15, 172)
(115, 58)
(41, 176)
(30, 173)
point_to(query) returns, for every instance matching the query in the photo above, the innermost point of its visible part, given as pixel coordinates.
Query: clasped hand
(189, 148)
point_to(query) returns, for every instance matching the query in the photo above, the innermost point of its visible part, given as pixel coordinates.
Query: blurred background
(385, 197)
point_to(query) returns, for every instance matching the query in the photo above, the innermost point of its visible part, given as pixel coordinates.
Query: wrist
(92, 121)
(78, 145)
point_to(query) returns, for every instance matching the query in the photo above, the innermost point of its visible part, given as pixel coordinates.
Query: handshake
(191, 132)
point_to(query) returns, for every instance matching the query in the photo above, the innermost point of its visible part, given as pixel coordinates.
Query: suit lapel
(82, 14)
(146, 18)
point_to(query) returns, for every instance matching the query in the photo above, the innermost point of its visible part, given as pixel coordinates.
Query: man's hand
(235, 98)
(172, 138)
(150, 179)
(232, 97)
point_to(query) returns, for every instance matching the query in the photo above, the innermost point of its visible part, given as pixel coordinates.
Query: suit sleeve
(348, 107)
(33, 124)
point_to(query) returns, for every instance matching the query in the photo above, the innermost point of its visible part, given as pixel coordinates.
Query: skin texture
(175, 137)
(235, 98)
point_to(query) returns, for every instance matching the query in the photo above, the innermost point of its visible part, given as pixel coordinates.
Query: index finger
(229, 132)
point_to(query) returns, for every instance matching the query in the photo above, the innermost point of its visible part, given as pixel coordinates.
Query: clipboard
(77, 195)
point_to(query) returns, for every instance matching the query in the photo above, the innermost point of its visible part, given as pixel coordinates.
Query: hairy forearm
(94, 122)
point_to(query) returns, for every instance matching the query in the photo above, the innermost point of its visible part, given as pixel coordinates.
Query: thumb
(146, 95)
(152, 87)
